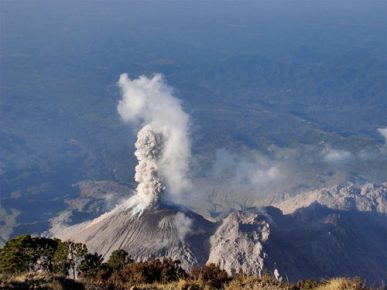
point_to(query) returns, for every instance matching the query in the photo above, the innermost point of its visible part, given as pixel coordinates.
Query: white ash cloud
(163, 164)
(253, 172)
(239, 178)
(250, 178)
(59, 223)
(340, 157)
(182, 224)
(336, 157)
(7, 224)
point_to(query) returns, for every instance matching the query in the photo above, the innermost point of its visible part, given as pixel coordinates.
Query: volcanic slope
(166, 231)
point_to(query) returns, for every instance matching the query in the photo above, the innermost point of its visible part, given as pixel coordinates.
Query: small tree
(17, 255)
(76, 252)
(119, 259)
(26, 253)
(61, 262)
(90, 264)
(44, 251)
(68, 256)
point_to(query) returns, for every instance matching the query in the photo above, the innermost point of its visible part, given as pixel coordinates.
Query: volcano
(317, 239)
(162, 231)
(330, 232)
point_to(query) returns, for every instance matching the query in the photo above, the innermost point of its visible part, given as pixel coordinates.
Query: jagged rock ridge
(367, 197)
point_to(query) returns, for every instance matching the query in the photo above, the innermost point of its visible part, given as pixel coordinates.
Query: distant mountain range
(327, 233)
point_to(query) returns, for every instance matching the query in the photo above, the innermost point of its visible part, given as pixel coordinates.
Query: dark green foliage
(68, 256)
(76, 252)
(44, 250)
(90, 264)
(16, 255)
(61, 263)
(26, 253)
(119, 259)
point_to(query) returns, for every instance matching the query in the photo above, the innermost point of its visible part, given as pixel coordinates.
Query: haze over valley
(259, 123)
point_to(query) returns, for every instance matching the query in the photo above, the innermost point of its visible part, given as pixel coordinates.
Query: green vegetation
(35, 254)
(26, 253)
(41, 263)
(118, 259)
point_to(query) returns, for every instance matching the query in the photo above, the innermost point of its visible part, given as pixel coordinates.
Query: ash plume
(149, 147)
(163, 147)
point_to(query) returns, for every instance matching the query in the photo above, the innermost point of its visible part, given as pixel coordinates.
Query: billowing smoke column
(149, 147)
(162, 147)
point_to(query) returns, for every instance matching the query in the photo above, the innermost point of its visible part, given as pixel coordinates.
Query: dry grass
(25, 277)
(38, 280)
(243, 282)
(340, 284)
(179, 285)
(253, 283)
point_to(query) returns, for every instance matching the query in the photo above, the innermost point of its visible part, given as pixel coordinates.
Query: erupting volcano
(149, 225)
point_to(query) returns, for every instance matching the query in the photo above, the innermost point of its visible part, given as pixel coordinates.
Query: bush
(211, 275)
(153, 271)
(90, 264)
(119, 259)
(26, 253)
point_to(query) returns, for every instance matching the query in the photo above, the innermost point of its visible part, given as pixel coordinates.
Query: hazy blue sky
(256, 76)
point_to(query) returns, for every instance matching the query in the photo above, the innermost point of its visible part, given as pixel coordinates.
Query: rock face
(334, 232)
(238, 242)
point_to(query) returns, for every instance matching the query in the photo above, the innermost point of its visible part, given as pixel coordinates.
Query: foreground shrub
(119, 259)
(153, 271)
(211, 275)
(90, 264)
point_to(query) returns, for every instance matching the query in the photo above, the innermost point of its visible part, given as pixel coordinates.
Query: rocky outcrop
(238, 242)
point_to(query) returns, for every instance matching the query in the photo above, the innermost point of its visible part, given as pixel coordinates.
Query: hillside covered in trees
(28, 262)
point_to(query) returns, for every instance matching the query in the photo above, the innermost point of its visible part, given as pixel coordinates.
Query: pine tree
(90, 264)
(17, 255)
(119, 259)
(76, 252)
